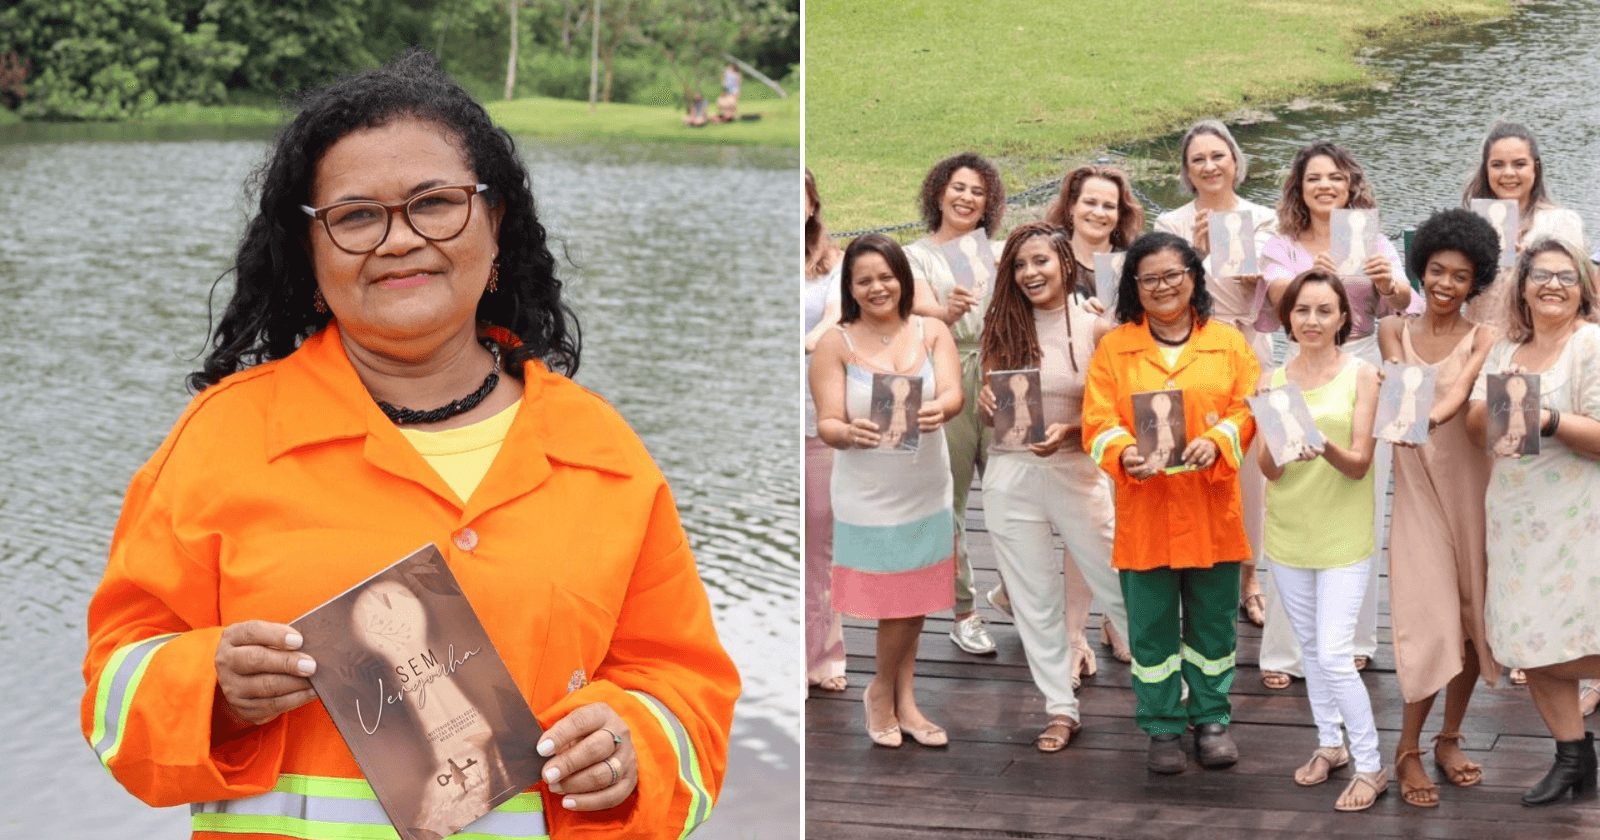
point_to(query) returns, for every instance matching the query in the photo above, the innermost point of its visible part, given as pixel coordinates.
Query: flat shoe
(1518, 677)
(1411, 794)
(1362, 661)
(888, 736)
(1276, 680)
(933, 736)
(1376, 781)
(1254, 608)
(1057, 734)
(1461, 775)
(1213, 746)
(999, 599)
(1323, 761)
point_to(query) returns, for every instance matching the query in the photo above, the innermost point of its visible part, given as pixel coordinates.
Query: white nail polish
(546, 747)
(292, 641)
(552, 773)
(569, 803)
(307, 665)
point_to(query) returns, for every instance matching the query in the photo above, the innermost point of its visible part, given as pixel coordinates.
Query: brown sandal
(1323, 762)
(1254, 608)
(1413, 794)
(1518, 677)
(1362, 661)
(1461, 775)
(1083, 664)
(1057, 734)
(1376, 781)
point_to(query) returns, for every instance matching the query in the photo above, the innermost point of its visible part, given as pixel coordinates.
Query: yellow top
(462, 456)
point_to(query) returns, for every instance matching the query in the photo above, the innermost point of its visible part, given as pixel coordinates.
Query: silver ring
(616, 740)
(611, 765)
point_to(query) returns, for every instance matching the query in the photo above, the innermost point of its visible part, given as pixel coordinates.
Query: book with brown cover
(426, 705)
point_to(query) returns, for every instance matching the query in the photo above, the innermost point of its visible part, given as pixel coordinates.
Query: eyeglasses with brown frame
(361, 227)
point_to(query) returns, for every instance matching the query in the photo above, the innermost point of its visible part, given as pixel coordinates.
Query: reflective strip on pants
(688, 763)
(1155, 673)
(114, 696)
(325, 808)
(1209, 667)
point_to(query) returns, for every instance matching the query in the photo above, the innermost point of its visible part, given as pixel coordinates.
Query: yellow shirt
(462, 456)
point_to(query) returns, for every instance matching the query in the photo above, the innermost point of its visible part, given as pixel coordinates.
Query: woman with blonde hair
(1542, 612)
(1211, 168)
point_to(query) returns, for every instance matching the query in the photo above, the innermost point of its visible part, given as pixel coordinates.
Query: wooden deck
(991, 782)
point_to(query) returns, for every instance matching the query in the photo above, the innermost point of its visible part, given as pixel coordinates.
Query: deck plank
(990, 782)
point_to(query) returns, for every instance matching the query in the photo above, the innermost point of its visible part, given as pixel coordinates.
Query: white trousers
(1279, 650)
(1322, 605)
(1023, 496)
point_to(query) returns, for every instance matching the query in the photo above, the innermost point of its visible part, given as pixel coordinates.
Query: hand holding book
(592, 762)
(260, 674)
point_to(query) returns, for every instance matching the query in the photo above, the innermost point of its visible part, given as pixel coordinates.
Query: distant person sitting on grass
(697, 111)
(728, 100)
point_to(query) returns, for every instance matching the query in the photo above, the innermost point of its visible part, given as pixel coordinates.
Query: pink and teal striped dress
(893, 531)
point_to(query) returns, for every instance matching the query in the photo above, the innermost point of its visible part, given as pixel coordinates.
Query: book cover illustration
(971, 259)
(1233, 244)
(1355, 238)
(1283, 420)
(1158, 429)
(1506, 219)
(1018, 408)
(1404, 401)
(896, 400)
(1513, 428)
(1107, 276)
(419, 694)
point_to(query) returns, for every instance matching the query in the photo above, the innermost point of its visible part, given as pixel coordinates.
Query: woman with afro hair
(1436, 549)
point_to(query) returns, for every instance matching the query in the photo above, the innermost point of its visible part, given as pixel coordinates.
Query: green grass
(893, 87)
(9, 117)
(779, 124)
(540, 116)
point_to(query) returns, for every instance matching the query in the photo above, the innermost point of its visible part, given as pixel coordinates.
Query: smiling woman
(387, 374)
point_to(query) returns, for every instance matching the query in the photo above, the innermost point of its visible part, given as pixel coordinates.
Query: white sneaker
(972, 635)
(999, 599)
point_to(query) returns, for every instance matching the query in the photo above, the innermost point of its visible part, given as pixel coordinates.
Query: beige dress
(1437, 571)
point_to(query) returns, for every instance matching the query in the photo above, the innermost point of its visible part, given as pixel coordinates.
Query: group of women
(1484, 553)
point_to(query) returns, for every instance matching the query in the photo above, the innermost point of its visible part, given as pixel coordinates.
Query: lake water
(683, 283)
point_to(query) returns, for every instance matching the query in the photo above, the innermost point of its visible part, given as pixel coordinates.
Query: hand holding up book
(260, 675)
(591, 759)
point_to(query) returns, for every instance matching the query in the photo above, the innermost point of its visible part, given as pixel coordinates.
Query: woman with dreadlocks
(1032, 324)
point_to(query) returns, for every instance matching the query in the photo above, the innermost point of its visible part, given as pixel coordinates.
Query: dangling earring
(494, 276)
(318, 303)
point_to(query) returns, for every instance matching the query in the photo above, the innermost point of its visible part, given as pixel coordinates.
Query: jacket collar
(319, 398)
(1206, 338)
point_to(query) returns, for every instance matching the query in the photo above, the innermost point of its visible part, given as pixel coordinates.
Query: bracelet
(1554, 423)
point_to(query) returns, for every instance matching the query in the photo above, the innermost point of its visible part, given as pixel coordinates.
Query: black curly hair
(1129, 308)
(1457, 230)
(272, 312)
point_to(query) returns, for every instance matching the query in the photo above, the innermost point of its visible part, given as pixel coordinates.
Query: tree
(112, 59)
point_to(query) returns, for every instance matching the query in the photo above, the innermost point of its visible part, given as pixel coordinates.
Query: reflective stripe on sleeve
(1209, 667)
(1231, 432)
(318, 807)
(1151, 674)
(688, 762)
(114, 696)
(1104, 439)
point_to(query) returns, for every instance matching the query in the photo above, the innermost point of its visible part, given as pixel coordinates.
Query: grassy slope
(540, 116)
(890, 88)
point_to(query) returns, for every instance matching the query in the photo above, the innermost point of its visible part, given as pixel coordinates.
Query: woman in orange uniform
(1180, 534)
(388, 374)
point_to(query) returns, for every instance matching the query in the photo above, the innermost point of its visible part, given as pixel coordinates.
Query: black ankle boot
(1574, 770)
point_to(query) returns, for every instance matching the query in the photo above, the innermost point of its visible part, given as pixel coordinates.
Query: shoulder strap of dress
(1405, 340)
(848, 344)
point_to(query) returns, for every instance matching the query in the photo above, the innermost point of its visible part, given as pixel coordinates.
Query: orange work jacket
(1187, 519)
(283, 485)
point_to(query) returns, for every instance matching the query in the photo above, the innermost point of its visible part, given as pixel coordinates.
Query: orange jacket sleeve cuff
(147, 715)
